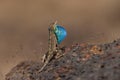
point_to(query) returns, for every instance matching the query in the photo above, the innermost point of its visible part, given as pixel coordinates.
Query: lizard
(54, 51)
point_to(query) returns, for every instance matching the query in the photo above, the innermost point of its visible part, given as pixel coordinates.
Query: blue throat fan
(60, 33)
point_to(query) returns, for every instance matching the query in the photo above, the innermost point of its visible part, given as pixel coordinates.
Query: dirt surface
(80, 62)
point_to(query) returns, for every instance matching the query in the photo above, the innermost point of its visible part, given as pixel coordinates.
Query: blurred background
(24, 26)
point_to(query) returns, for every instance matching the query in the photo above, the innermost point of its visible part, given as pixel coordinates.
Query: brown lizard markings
(52, 47)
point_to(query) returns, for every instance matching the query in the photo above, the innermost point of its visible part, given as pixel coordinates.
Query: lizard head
(53, 26)
(59, 32)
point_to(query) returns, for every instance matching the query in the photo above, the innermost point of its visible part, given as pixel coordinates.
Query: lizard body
(52, 47)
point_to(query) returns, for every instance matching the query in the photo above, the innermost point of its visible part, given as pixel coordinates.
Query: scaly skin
(53, 48)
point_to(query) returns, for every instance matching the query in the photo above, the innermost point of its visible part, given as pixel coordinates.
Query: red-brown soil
(80, 62)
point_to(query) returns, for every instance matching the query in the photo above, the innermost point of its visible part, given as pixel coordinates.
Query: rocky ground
(81, 62)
